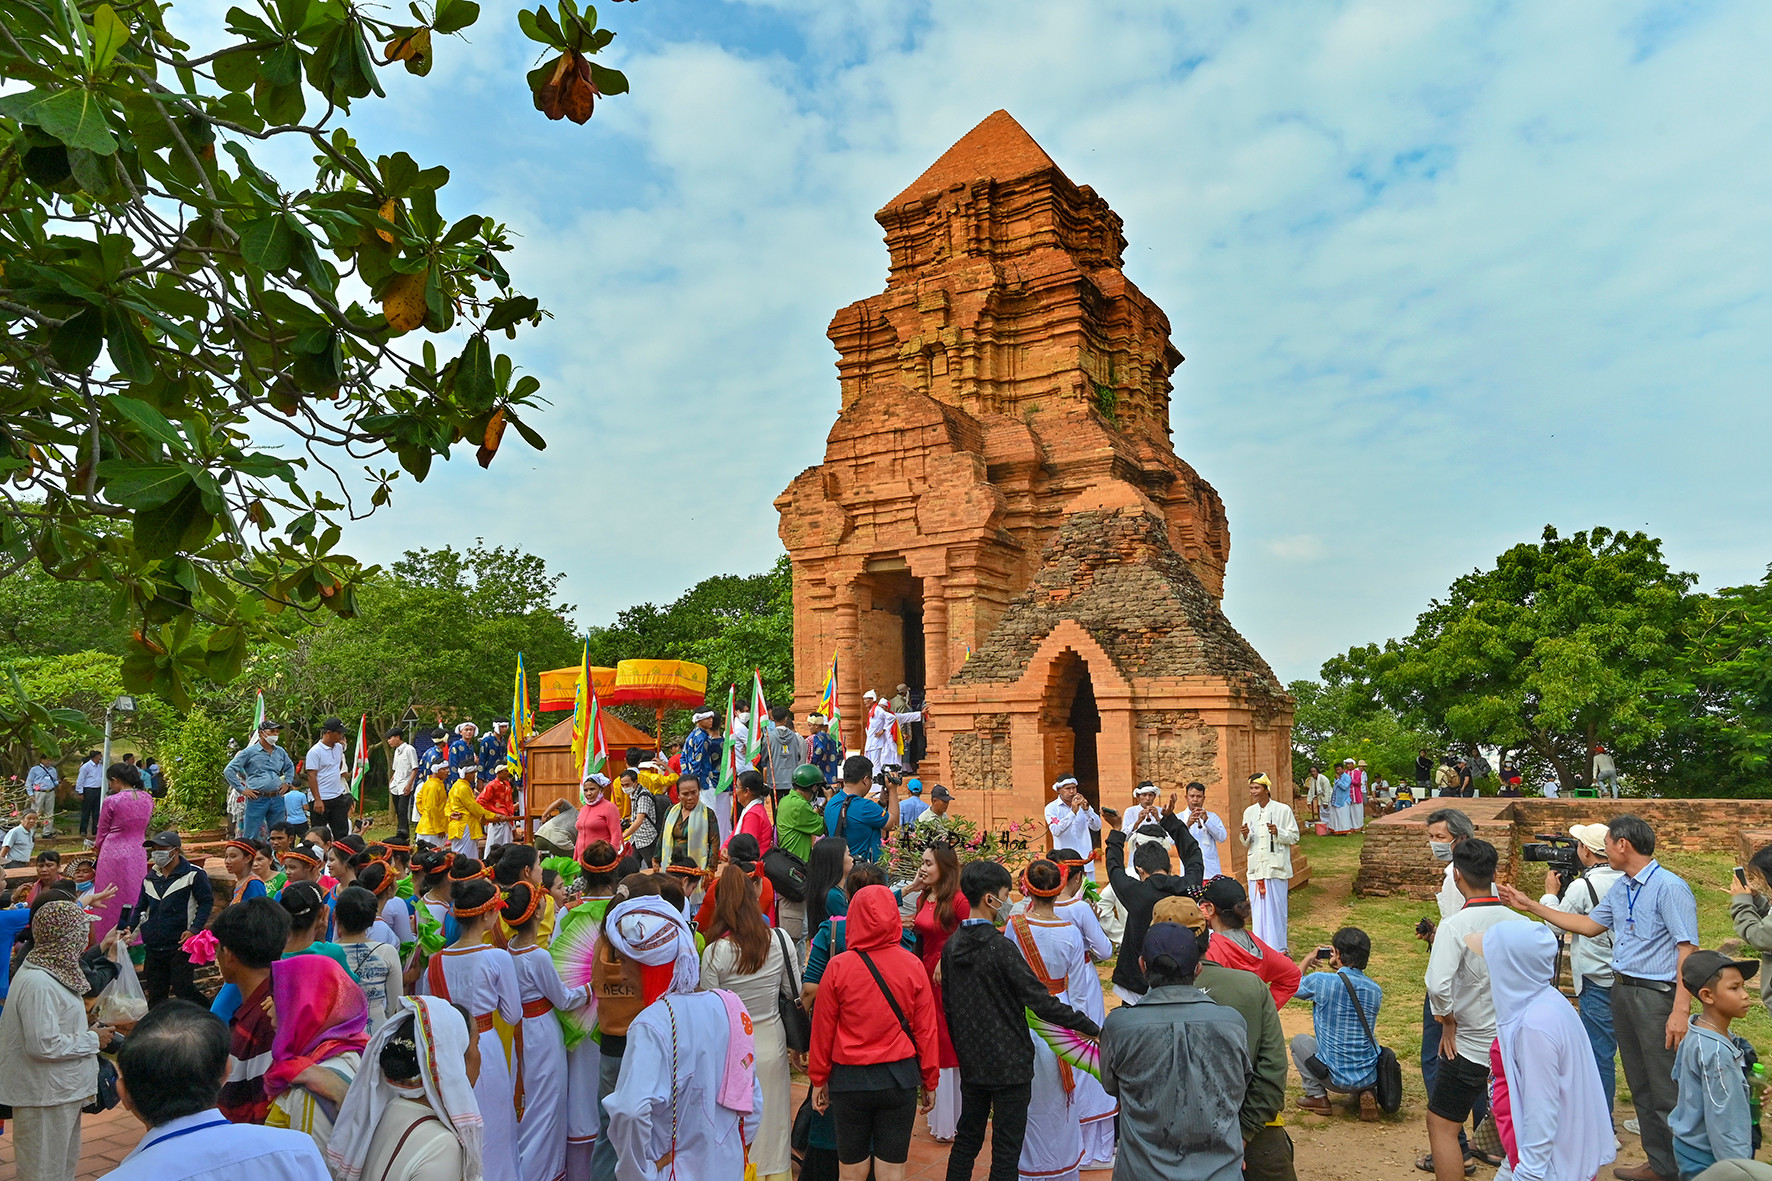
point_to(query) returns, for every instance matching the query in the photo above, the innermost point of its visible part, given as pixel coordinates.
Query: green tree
(1717, 717)
(192, 349)
(29, 727)
(1561, 645)
(1341, 721)
(193, 753)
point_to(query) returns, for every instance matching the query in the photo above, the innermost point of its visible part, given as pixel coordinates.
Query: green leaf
(399, 173)
(608, 81)
(282, 66)
(454, 15)
(90, 172)
(152, 423)
(109, 34)
(281, 105)
(128, 348)
(182, 523)
(243, 24)
(506, 312)
(75, 344)
(529, 435)
(474, 384)
(464, 229)
(142, 485)
(236, 69)
(265, 244)
(74, 116)
(532, 29)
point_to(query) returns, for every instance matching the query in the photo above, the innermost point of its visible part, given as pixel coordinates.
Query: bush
(193, 753)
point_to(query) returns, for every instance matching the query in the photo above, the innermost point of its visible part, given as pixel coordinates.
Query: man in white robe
(1207, 829)
(881, 746)
(676, 1060)
(1269, 831)
(1073, 823)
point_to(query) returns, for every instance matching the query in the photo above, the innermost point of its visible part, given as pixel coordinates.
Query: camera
(1557, 853)
(1323, 953)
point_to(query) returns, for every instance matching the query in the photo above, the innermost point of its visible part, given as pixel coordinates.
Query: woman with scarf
(758, 964)
(483, 979)
(688, 1103)
(1095, 1107)
(48, 1050)
(411, 1114)
(322, 1027)
(940, 912)
(1053, 948)
(122, 861)
(1562, 1127)
(540, 1047)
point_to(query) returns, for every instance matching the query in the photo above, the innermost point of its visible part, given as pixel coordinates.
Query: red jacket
(851, 1021)
(1276, 971)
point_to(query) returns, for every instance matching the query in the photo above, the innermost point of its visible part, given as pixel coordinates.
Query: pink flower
(1015, 826)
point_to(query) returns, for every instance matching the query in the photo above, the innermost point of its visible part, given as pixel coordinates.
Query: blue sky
(1443, 273)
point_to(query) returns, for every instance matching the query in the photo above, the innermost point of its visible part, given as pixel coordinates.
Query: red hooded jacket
(851, 1021)
(1278, 972)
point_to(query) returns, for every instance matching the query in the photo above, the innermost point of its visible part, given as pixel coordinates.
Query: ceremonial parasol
(559, 684)
(662, 684)
(1083, 1053)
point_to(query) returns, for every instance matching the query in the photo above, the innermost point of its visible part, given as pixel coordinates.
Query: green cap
(806, 775)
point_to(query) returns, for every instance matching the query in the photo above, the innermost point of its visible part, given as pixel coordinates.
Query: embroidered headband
(534, 901)
(497, 901)
(244, 847)
(610, 868)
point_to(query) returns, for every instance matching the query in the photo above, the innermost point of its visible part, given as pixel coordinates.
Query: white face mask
(273, 739)
(1442, 850)
(162, 857)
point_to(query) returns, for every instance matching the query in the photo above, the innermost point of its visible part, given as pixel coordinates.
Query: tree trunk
(1541, 743)
(1592, 731)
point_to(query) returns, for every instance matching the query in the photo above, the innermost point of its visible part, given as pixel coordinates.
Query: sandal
(1426, 1165)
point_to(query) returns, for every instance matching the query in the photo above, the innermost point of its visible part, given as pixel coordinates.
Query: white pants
(1268, 911)
(466, 846)
(721, 803)
(46, 1141)
(497, 833)
(944, 1117)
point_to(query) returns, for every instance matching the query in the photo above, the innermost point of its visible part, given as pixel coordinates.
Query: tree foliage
(194, 353)
(1342, 721)
(1718, 717)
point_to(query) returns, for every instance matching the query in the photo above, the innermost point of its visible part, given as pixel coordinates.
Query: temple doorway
(1072, 724)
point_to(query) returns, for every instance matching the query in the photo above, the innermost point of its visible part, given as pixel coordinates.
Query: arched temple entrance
(1070, 725)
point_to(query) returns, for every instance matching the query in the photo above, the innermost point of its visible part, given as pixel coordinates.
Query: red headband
(473, 912)
(244, 847)
(1037, 892)
(534, 901)
(610, 868)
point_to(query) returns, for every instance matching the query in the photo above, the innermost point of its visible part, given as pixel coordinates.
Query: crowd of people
(628, 994)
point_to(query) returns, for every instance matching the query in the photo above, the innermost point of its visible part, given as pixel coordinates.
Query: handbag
(1388, 1090)
(796, 1022)
(105, 1097)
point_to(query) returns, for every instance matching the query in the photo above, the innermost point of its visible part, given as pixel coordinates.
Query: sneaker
(1633, 1127)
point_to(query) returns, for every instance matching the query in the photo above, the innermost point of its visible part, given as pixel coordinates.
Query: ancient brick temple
(1001, 521)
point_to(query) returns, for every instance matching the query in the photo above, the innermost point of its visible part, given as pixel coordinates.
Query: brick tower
(1000, 482)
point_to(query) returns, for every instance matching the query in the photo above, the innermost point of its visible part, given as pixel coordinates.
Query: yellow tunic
(466, 816)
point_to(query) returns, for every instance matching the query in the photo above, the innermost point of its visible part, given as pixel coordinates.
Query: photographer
(1590, 957)
(1337, 1055)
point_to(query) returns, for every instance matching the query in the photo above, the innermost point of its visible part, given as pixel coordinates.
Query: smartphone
(1323, 953)
(1741, 876)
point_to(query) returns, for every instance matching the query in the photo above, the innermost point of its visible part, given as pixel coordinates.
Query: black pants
(166, 972)
(89, 813)
(1639, 1017)
(1006, 1108)
(1268, 1156)
(875, 1123)
(403, 817)
(335, 815)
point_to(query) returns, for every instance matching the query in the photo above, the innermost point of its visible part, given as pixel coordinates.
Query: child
(375, 964)
(1710, 1122)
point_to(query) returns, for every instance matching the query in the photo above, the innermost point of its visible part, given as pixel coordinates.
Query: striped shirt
(1342, 1044)
(1650, 913)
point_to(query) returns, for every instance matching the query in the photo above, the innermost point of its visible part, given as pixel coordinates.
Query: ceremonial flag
(729, 752)
(827, 697)
(522, 722)
(597, 750)
(258, 718)
(360, 764)
(581, 709)
(759, 719)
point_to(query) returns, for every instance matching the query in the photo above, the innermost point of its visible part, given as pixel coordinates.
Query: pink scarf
(321, 1014)
(741, 1055)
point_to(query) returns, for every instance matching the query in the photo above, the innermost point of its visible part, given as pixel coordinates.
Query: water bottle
(1756, 1089)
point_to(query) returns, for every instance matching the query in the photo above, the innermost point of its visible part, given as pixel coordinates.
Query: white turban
(652, 931)
(817, 720)
(870, 695)
(703, 715)
(1068, 780)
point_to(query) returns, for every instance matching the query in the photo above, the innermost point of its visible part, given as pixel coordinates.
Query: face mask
(274, 739)
(1442, 850)
(162, 857)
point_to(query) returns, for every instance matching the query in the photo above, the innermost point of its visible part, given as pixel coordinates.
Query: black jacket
(985, 985)
(1138, 897)
(173, 905)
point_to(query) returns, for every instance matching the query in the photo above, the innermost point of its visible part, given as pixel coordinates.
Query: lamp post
(125, 704)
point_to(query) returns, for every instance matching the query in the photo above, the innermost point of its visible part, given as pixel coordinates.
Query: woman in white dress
(1095, 1107)
(1053, 948)
(541, 1048)
(575, 926)
(746, 958)
(483, 980)
(410, 1114)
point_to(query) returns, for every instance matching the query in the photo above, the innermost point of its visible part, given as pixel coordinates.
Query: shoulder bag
(796, 1022)
(1389, 1088)
(903, 1023)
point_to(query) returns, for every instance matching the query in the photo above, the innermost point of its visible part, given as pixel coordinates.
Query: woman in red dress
(939, 915)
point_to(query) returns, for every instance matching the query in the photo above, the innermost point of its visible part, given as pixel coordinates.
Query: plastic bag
(123, 1002)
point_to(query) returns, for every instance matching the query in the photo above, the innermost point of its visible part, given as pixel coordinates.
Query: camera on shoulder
(1557, 853)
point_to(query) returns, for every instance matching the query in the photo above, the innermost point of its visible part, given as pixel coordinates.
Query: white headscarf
(442, 1038)
(1520, 965)
(649, 929)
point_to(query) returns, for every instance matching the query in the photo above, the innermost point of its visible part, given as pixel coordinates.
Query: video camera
(1558, 853)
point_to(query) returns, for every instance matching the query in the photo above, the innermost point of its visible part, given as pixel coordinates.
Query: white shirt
(404, 770)
(1070, 830)
(1588, 957)
(1270, 853)
(1317, 788)
(1450, 900)
(1458, 978)
(327, 764)
(1207, 829)
(1139, 815)
(91, 777)
(206, 1147)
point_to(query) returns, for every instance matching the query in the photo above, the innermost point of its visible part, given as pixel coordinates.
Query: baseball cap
(1224, 893)
(1181, 945)
(163, 840)
(267, 724)
(1700, 966)
(332, 726)
(940, 793)
(1591, 835)
(914, 786)
(1179, 909)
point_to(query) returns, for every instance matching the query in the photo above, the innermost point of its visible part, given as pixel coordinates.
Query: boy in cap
(1710, 1122)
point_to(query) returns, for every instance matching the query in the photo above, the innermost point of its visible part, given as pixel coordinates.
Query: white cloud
(1442, 274)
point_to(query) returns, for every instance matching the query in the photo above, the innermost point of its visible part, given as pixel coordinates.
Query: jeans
(1640, 1022)
(1430, 1070)
(260, 815)
(1595, 1003)
(603, 1155)
(1006, 1109)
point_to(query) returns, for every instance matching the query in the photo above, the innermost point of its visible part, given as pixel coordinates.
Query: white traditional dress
(1208, 830)
(1053, 1149)
(882, 735)
(1270, 868)
(666, 1105)
(541, 1062)
(1357, 808)
(1095, 1107)
(779, 972)
(483, 980)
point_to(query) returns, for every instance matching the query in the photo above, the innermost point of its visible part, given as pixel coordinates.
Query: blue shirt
(824, 753)
(1650, 914)
(492, 756)
(1711, 1121)
(1343, 794)
(699, 753)
(1342, 1044)
(862, 826)
(12, 920)
(263, 770)
(41, 778)
(910, 811)
(461, 754)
